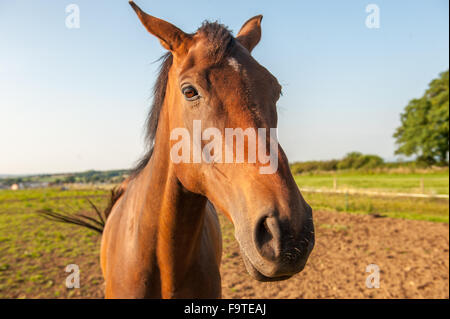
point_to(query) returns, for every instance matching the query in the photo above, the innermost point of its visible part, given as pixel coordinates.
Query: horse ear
(171, 38)
(250, 33)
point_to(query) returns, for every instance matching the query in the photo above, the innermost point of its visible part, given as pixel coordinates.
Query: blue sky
(76, 99)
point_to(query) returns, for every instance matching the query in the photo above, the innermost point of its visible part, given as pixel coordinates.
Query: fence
(351, 191)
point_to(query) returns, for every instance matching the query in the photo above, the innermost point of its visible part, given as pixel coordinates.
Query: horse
(162, 236)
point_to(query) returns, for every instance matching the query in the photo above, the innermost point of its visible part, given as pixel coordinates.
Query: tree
(69, 179)
(424, 129)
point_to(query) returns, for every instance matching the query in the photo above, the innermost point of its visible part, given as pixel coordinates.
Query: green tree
(69, 179)
(424, 126)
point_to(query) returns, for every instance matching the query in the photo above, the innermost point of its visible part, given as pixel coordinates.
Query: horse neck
(172, 215)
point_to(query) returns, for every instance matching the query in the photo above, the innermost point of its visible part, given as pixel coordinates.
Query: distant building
(14, 187)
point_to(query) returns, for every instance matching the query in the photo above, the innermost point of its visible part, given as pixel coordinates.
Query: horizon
(3, 176)
(87, 89)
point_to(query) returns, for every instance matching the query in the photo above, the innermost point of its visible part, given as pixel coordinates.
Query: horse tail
(96, 223)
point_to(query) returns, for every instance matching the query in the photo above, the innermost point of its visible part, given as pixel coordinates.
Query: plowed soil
(412, 257)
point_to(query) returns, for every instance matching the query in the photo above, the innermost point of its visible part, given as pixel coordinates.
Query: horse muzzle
(276, 251)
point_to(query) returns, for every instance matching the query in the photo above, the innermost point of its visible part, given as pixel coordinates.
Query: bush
(353, 160)
(356, 160)
(303, 167)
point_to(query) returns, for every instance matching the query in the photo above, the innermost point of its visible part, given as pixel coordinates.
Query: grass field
(431, 209)
(433, 182)
(34, 251)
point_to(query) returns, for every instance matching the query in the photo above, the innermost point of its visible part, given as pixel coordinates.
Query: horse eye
(190, 93)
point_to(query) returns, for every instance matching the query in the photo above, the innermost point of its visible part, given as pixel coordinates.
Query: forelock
(219, 40)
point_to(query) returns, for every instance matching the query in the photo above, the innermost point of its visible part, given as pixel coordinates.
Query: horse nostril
(267, 237)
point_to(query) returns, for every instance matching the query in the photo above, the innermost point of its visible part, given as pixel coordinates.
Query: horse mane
(159, 93)
(220, 42)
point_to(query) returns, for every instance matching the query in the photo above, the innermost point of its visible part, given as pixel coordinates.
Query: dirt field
(413, 258)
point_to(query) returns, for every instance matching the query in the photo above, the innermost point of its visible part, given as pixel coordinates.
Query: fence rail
(370, 193)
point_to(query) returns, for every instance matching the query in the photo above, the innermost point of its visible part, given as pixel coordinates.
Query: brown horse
(162, 237)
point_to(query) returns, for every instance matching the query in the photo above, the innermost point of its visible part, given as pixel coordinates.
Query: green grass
(34, 251)
(434, 183)
(43, 194)
(430, 209)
